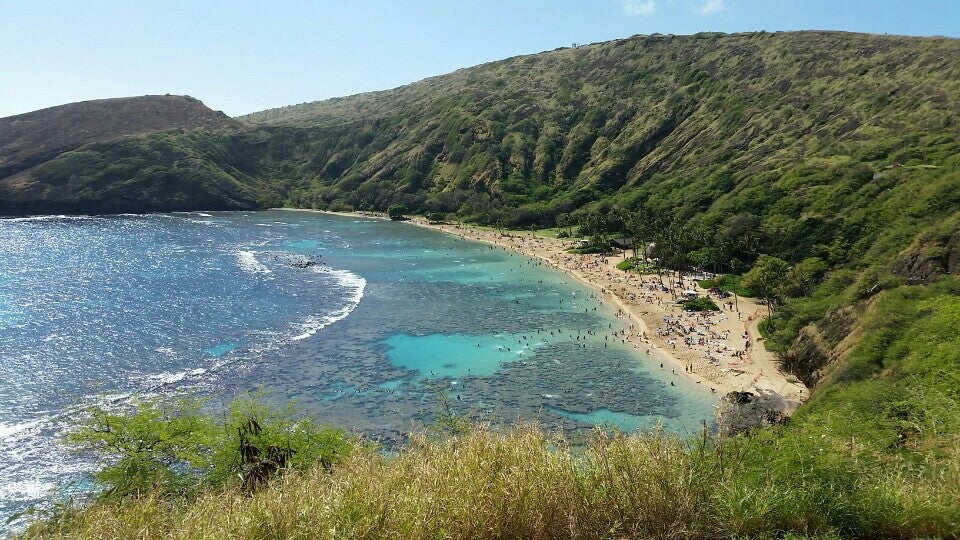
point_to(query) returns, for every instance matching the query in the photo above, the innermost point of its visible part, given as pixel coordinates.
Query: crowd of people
(714, 348)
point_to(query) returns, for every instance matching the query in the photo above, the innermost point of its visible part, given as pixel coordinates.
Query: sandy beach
(723, 350)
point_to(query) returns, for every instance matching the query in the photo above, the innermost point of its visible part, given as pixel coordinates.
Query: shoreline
(723, 351)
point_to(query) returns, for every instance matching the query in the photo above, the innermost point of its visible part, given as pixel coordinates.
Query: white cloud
(711, 7)
(638, 7)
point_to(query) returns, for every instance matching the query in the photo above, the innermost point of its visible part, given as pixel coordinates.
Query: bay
(365, 323)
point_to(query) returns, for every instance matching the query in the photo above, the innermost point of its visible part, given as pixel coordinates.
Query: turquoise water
(607, 419)
(304, 245)
(438, 356)
(222, 349)
(360, 321)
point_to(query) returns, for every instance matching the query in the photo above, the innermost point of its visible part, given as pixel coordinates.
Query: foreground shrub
(178, 447)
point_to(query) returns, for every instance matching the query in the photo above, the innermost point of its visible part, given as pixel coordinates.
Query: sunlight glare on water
(360, 321)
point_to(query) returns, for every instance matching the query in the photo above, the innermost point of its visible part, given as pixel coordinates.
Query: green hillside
(675, 122)
(136, 154)
(32, 138)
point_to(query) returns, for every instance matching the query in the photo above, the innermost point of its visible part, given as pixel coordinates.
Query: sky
(243, 56)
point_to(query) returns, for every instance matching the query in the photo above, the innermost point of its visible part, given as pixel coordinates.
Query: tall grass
(522, 483)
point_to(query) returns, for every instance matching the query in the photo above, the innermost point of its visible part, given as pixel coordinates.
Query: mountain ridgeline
(675, 124)
(87, 158)
(836, 152)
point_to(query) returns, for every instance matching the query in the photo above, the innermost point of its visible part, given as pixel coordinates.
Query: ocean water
(362, 322)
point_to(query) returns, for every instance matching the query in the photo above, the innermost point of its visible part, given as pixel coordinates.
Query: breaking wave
(248, 263)
(353, 285)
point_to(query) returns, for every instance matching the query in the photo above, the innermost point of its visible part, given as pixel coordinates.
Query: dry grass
(524, 484)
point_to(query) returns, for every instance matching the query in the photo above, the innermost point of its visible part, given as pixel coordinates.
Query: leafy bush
(397, 211)
(177, 447)
(596, 244)
(157, 446)
(700, 304)
(434, 217)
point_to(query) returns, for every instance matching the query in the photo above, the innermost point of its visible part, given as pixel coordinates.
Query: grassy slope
(721, 124)
(705, 116)
(34, 137)
(523, 484)
(166, 171)
(106, 156)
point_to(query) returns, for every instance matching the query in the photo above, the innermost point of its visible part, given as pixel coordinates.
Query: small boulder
(740, 412)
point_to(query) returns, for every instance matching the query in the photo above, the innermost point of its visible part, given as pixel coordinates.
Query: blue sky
(243, 56)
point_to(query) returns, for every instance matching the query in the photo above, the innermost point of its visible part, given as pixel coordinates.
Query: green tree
(835, 252)
(591, 224)
(766, 279)
(154, 447)
(804, 276)
(396, 211)
(704, 258)
(565, 221)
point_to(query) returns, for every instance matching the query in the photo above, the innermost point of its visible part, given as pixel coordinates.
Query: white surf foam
(7, 430)
(348, 280)
(248, 262)
(46, 218)
(26, 490)
(164, 379)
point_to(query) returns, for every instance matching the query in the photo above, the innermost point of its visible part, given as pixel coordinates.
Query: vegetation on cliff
(682, 125)
(135, 154)
(32, 138)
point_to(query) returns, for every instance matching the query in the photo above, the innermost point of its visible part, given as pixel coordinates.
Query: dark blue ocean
(360, 321)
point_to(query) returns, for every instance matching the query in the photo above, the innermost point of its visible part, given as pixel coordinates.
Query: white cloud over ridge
(711, 7)
(638, 7)
(643, 8)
